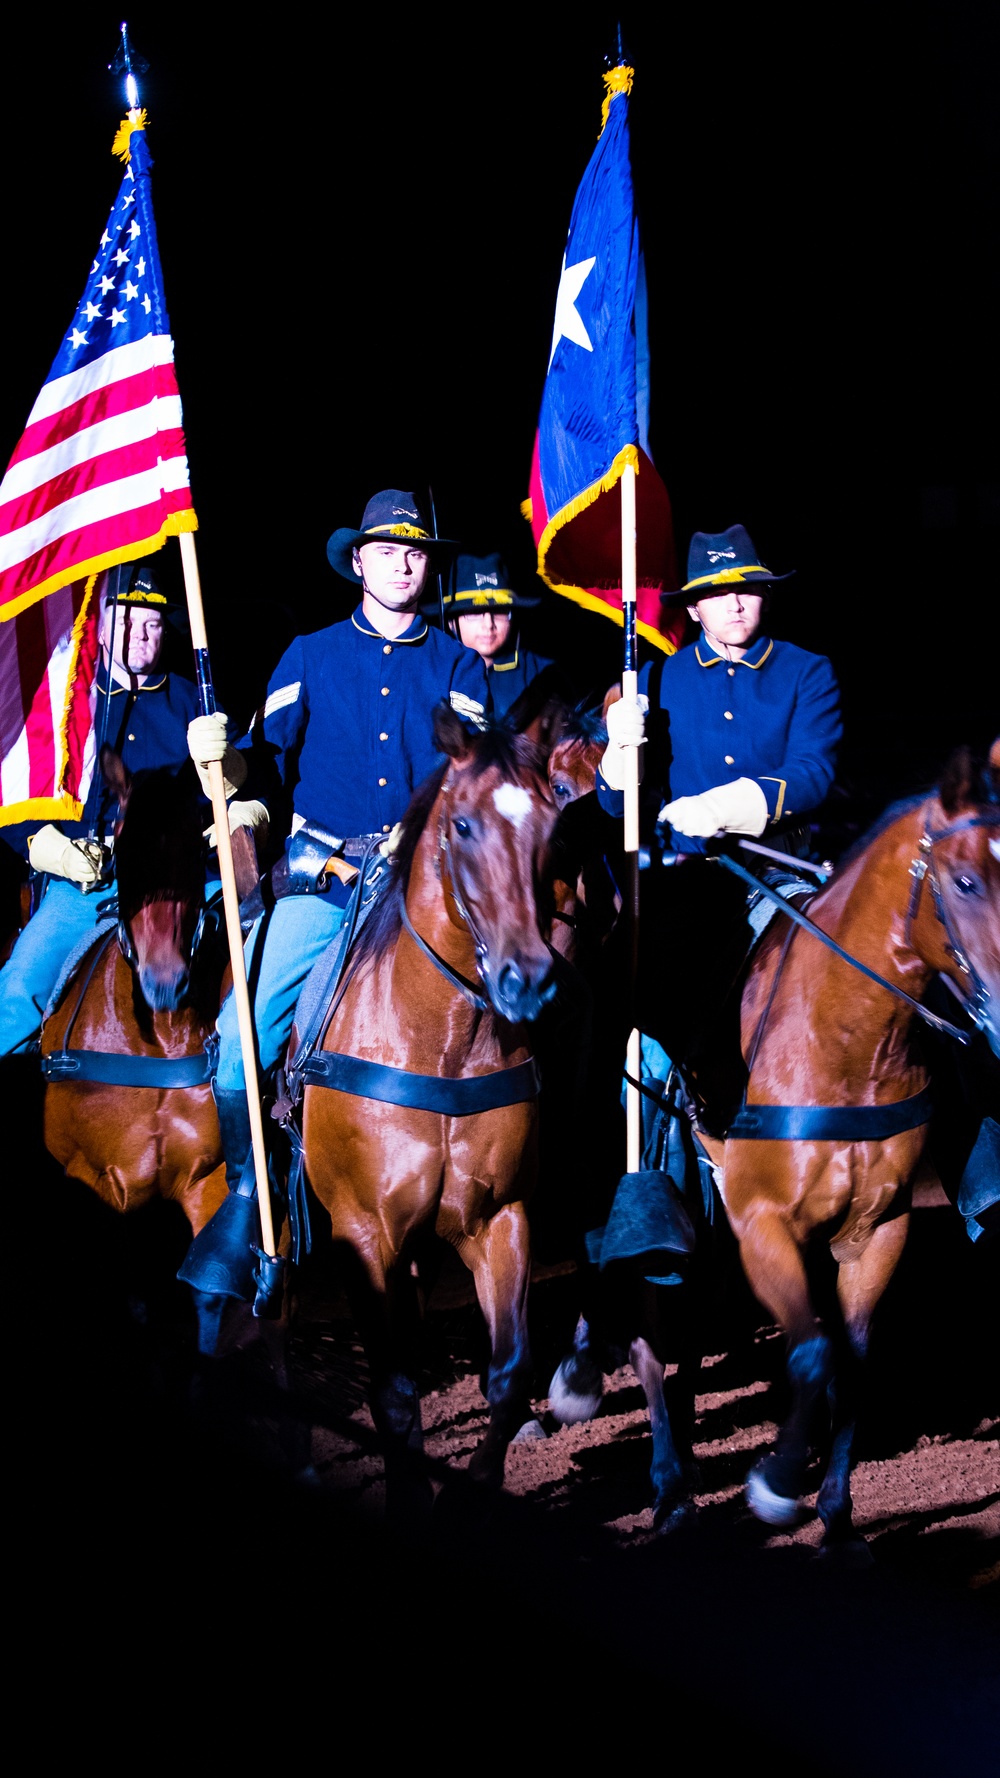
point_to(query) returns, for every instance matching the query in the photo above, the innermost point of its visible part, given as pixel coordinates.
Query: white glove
(252, 815)
(79, 861)
(206, 738)
(739, 807)
(626, 728)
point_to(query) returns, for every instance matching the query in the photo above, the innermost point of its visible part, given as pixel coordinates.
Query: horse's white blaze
(995, 848)
(513, 802)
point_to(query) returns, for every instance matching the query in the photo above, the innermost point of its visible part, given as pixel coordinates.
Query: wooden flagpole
(230, 894)
(633, 1123)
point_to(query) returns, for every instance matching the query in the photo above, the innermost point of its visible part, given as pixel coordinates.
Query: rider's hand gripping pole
(230, 895)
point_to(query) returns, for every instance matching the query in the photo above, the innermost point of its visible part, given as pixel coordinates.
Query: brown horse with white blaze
(450, 970)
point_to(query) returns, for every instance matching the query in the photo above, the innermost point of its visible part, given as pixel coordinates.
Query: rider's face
(395, 574)
(485, 631)
(138, 638)
(732, 617)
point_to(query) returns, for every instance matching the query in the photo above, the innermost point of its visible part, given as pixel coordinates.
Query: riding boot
(220, 1260)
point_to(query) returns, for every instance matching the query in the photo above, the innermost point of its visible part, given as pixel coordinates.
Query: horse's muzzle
(521, 988)
(163, 992)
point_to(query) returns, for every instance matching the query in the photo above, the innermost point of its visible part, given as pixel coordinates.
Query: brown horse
(148, 991)
(448, 973)
(920, 896)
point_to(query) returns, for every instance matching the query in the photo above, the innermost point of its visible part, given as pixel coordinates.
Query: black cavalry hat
(138, 587)
(394, 517)
(481, 583)
(721, 559)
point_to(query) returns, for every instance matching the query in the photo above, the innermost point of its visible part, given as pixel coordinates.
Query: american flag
(99, 477)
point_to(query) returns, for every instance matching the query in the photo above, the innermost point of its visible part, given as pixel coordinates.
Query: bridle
(208, 912)
(976, 999)
(444, 863)
(975, 1003)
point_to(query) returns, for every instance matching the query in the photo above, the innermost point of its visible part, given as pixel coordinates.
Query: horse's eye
(968, 885)
(561, 791)
(462, 827)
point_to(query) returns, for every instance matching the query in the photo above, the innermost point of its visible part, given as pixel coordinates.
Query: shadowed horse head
(160, 872)
(448, 972)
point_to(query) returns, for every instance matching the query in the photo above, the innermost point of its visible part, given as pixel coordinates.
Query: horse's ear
(961, 785)
(545, 727)
(114, 774)
(611, 696)
(451, 735)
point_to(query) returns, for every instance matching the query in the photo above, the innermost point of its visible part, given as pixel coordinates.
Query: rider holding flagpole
(743, 731)
(346, 730)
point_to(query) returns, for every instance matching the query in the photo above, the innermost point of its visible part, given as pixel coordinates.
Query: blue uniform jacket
(510, 674)
(773, 716)
(148, 727)
(348, 720)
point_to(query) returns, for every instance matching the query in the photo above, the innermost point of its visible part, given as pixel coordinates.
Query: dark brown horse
(450, 972)
(146, 991)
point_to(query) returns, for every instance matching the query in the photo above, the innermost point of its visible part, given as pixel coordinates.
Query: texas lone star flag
(100, 477)
(589, 427)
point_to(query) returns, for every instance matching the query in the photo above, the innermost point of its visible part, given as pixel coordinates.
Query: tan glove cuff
(234, 771)
(613, 765)
(253, 815)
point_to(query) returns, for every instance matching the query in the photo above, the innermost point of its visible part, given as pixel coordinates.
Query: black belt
(423, 1092)
(830, 1123)
(114, 1070)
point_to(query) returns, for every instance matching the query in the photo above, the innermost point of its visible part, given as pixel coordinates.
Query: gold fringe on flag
(618, 80)
(137, 120)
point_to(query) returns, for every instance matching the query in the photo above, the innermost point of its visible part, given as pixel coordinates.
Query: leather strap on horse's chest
(830, 1123)
(111, 1069)
(422, 1092)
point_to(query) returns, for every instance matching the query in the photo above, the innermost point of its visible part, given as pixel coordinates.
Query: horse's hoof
(850, 1553)
(531, 1429)
(765, 1504)
(575, 1392)
(667, 1518)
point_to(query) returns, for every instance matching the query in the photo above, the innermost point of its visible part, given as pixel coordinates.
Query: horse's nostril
(163, 993)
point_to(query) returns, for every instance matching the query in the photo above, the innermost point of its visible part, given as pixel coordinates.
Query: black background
(361, 223)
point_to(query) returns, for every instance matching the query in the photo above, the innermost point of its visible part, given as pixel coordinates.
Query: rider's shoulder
(792, 658)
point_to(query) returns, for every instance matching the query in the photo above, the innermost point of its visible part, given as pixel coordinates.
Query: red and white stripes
(101, 468)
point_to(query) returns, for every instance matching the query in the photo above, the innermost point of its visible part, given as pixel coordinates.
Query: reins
(800, 919)
(461, 982)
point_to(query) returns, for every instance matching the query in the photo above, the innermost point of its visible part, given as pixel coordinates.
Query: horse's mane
(967, 777)
(516, 758)
(894, 812)
(582, 724)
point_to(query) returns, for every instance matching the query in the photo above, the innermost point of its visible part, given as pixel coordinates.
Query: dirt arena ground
(164, 1526)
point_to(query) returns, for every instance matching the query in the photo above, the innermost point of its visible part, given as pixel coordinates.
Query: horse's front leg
(860, 1284)
(669, 1472)
(776, 1273)
(499, 1258)
(383, 1301)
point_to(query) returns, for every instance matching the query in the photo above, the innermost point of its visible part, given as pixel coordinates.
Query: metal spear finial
(127, 62)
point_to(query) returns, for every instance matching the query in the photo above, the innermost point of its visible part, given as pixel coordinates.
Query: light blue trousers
(295, 935)
(32, 969)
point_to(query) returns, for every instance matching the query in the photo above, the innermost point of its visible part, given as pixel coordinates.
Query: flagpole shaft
(230, 897)
(633, 1119)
